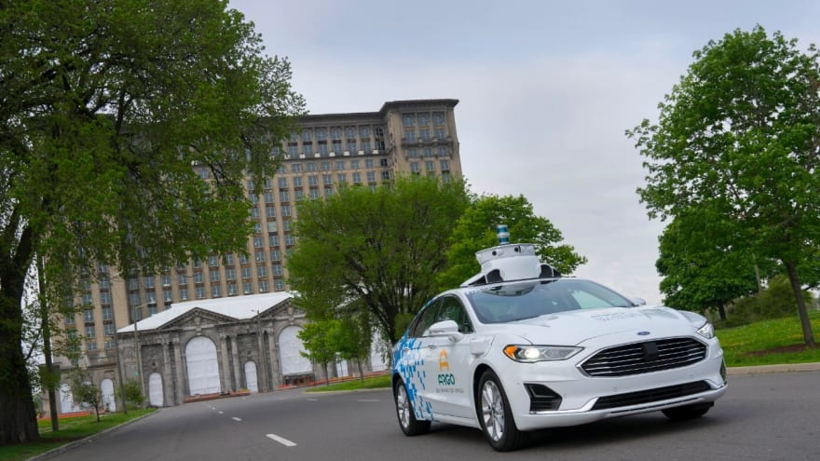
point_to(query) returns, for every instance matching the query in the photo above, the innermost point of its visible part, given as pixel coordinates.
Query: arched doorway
(108, 399)
(67, 400)
(155, 396)
(289, 347)
(250, 377)
(203, 367)
(377, 346)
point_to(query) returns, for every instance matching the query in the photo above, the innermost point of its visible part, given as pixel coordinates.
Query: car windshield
(519, 301)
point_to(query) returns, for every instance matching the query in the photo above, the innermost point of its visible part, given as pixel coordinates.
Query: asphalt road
(762, 417)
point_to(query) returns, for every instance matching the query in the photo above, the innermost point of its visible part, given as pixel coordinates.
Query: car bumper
(580, 393)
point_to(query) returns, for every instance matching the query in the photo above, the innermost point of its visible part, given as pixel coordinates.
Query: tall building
(332, 150)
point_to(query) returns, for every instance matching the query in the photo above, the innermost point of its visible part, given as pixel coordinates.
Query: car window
(451, 309)
(519, 301)
(426, 318)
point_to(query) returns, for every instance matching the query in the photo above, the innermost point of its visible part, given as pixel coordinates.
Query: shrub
(133, 393)
(776, 301)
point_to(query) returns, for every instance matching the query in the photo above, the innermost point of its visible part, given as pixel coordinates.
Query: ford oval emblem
(643, 333)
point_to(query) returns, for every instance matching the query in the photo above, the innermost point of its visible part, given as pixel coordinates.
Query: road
(762, 417)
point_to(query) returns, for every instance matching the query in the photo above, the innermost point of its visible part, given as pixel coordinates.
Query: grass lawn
(71, 429)
(368, 383)
(769, 342)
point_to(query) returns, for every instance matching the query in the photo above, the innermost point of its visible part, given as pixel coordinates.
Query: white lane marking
(235, 418)
(220, 412)
(312, 400)
(281, 440)
(369, 400)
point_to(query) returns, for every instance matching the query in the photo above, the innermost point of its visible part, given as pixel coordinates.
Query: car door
(447, 363)
(415, 353)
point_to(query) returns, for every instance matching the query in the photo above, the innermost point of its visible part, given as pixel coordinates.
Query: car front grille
(645, 357)
(651, 395)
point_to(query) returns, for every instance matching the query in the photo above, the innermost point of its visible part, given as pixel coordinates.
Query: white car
(519, 348)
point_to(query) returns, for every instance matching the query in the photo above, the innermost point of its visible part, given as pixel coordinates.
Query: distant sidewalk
(779, 368)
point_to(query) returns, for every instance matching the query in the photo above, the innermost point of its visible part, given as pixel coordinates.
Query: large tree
(703, 265)
(477, 229)
(740, 133)
(377, 249)
(126, 128)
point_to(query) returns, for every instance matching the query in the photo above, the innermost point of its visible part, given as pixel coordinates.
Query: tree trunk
(327, 376)
(361, 373)
(18, 421)
(722, 311)
(45, 319)
(97, 410)
(808, 336)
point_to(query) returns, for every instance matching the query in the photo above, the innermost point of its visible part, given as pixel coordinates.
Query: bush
(776, 301)
(133, 393)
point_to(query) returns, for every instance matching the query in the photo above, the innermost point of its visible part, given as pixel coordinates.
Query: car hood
(575, 327)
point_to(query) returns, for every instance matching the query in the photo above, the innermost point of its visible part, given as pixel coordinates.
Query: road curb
(779, 368)
(71, 445)
(348, 391)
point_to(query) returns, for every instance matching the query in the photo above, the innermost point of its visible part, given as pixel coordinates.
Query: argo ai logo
(445, 379)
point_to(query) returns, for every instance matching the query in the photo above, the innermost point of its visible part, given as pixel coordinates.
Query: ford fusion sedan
(519, 348)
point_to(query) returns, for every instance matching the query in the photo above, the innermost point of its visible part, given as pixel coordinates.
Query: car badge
(643, 333)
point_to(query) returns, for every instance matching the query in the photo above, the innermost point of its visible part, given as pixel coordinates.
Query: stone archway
(290, 346)
(251, 379)
(108, 399)
(203, 366)
(155, 392)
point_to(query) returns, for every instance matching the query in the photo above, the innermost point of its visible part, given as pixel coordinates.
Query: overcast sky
(546, 89)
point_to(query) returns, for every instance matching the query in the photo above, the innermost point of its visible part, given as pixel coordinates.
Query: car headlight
(707, 330)
(530, 354)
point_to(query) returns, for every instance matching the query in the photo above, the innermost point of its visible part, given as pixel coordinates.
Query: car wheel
(688, 412)
(404, 410)
(495, 414)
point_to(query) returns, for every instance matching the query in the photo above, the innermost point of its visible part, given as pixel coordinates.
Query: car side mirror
(448, 328)
(638, 301)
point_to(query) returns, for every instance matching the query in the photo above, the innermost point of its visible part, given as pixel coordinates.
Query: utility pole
(46, 325)
(138, 347)
(119, 363)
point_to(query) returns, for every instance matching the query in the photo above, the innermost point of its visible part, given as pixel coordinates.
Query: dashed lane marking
(312, 400)
(220, 412)
(235, 418)
(281, 440)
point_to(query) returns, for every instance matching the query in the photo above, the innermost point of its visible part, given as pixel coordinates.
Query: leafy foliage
(380, 248)
(112, 114)
(775, 301)
(702, 266)
(740, 135)
(84, 391)
(133, 393)
(352, 337)
(317, 337)
(476, 229)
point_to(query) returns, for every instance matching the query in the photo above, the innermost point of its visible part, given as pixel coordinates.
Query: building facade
(416, 137)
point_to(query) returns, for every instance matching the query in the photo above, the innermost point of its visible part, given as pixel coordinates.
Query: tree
(317, 339)
(352, 338)
(382, 248)
(476, 229)
(740, 134)
(84, 391)
(702, 266)
(127, 128)
(133, 393)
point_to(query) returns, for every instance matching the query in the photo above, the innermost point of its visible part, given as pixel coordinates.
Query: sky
(546, 89)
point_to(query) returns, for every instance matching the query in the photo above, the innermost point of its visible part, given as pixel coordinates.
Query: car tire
(495, 415)
(404, 410)
(688, 412)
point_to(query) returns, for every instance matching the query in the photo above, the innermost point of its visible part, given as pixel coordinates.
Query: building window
(385, 175)
(213, 260)
(166, 296)
(412, 153)
(327, 179)
(278, 285)
(285, 210)
(368, 163)
(216, 291)
(230, 274)
(258, 242)
(286, 226)
(261, 271)
(340, 164)
(383, 162)
(149, 282)
(350, 132)
(134, 299)
(108, 313)
(92, 346)
(364, 131)
(341, 177)
(351, 146)
(321, 133)
(357, 178)
(254, 199)
(354, 164)
(378, 132)
(275, 255)
(247, 288)
(313, 180)
(268, 183)
(424, 119)
(307, 134)
(366, 145)
(289, 240)
(268, 197)
(307, 148)
(105, 298)
(108, 329)
(133, 284)
(257, 227)
(428, 152)
(311, 167)
(445, 165)
(263, 286)
(166, 280)
(335, 133)
(293, 148)
(296, 168)
(88, 315)
(424, 134)
(270, 211)
(229, 260)
(438, 118)
(297, 181)
(429, 166)
(371, 176)
(260, 256)
(323, 148)
(283, 183)
(277, 270)
(325, 166)
(232, 289)
(246, 272)
(337, 146)
(250, 186)
(410, 135)
(408, 119)
(445, 176)
(243, 258)
(284, 196)
(273, 240)
(198, 277)
(200, 292)
(272, 226)
(443, 152)
(440, 133)
(254, 212)
(151, 298)
(89, 332)
(152, 310)
(214, 275)
(414, 167)
(104, 283)
(300, 195)
(183, 293)
(314, 194)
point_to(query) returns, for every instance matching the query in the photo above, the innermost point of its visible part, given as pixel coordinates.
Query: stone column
(167, 378)
(275, 370)
(235, 356)
(181, 378)
(262, 366)
(226, 371)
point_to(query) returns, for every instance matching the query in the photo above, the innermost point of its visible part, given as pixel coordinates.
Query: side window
(426, 318)
(451, 309)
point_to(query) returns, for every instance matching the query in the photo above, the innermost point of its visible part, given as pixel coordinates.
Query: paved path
(762, 417)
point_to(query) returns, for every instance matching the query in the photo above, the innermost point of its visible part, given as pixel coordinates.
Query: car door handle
(432, 346)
